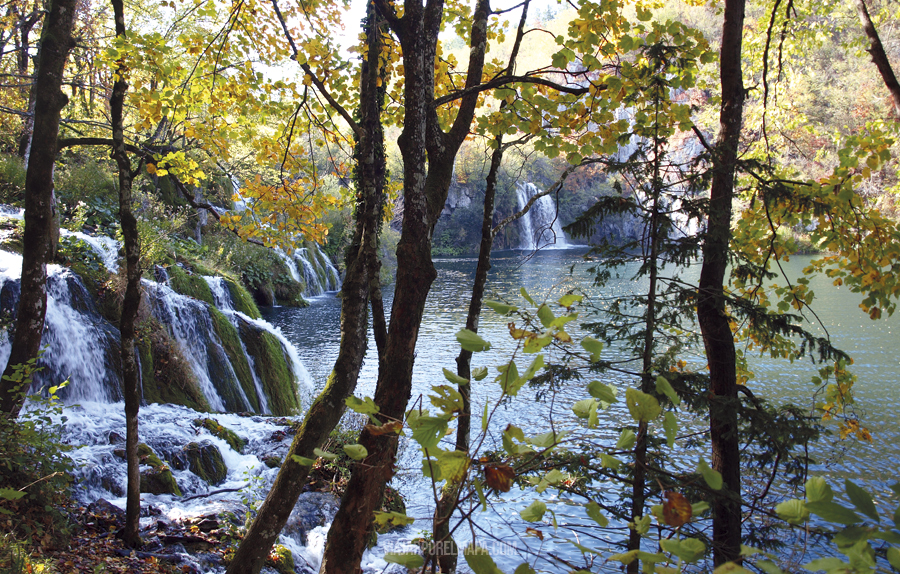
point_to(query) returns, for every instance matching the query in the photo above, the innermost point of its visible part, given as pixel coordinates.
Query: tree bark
(712, 315)
(428, 154)
(325, 413)
(131, 382)
(879, 57)
(56, 41)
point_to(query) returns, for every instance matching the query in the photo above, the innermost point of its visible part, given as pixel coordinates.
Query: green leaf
(699, 508)
(833, 512)
(592, 346)
(605, 393)
(625, 558)
(569, 299)
(731, 568)
(712, 477)
(431, 469)
(850, 536)
(545, 314)
(582, 409)
(827, 564)
(454, 464)
(448, 399)
(536, 365)
(526, 296)
(641, 525)
(471, 341)
(593, 511)
(356, 451)
(547, 439)
(893, 557)
(689, 549)
(365, 406)
(479, 560)
(479, 373)
(408, 560)
(607, 461)
(817, 490)
(11, 494)
(643, 407)
(396, 518)
(862, 500)
(663, 386)
(484, 418)
(500, 308)
(324, 454)
(670, 425)
(524, 568)
(534, 512)
(769, 567)
(793, 511)
(301, 460)
(427, 431)
(626, 440)
(454, 378)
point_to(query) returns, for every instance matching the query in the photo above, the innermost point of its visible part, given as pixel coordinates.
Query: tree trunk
(879, 57)
(711, 312)
(131, 383)
(325, 413)
(449, 495)
(56, 41)
(428, 155)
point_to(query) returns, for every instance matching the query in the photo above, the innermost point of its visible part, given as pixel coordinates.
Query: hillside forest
(235, 157)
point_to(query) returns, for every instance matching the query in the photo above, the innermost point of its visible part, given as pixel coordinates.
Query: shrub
(35, 472)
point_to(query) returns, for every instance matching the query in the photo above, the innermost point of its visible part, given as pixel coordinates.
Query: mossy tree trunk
(712, 315)
(56, 41)
(131, 382)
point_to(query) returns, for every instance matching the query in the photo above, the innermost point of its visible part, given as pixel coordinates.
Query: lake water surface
(874, 345)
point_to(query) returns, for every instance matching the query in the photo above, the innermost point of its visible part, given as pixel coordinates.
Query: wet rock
(205, 460)
(159, 481)
(115, 438)
(272, 461)
(217, 430)
(281, 559)
(312, 509)
(107, 514)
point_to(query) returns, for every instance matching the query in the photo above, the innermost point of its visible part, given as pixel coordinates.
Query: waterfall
(80, 345)
(106, 248)
(83, 346)
(311, 267)
(540, 227)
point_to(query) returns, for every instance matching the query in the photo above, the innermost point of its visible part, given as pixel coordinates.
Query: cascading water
(311, 267)
(540, 227)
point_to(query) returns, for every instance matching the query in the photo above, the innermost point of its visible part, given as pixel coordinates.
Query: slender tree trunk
(56, 41)
(879, 57)
(711, 312)
(428, 155)
(131, 382)
(449, 495)
(325, 413)
(639, 484)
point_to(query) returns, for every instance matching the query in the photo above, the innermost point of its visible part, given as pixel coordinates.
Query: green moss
(273, 370)
(158, 479)
(165, 375)
(206, 461)
(190, 285)
(289, 293)
(229, 336)
(281, 559)
(272, 461)
(217, 430)
(242, 300)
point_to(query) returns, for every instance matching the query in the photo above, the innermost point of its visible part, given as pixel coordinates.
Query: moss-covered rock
(190, 285)
(281, 559)
(242, 300)
(228, 335)
(272, 368)
(166, 377)
(158, 479)
(272, 461)
(217, 430)
(289, 293)
(205, 460)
